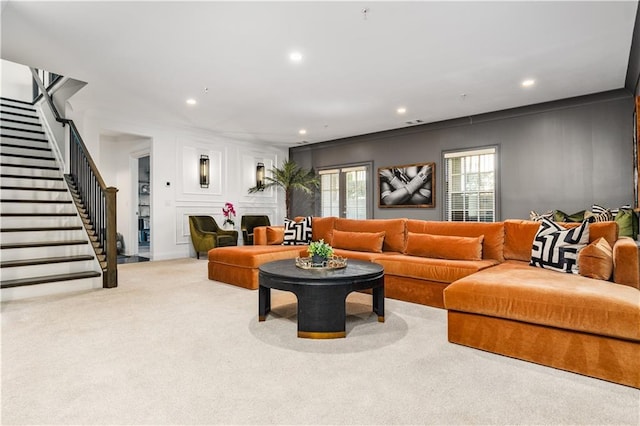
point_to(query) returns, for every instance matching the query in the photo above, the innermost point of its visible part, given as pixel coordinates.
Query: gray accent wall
(562, 155)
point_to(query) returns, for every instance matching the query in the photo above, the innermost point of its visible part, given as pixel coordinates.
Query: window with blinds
(470, 185)
(329, 193)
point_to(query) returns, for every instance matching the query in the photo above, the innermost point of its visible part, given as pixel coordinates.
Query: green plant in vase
(320, 252)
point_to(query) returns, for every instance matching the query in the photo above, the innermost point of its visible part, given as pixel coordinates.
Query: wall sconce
(260, 176)
(204, 171)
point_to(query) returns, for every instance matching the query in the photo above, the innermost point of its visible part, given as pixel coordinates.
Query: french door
(346, 192)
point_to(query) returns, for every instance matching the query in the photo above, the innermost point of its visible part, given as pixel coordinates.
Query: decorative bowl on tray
(334, 262)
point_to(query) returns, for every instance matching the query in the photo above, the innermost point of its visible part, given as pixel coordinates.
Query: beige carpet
(169, 346)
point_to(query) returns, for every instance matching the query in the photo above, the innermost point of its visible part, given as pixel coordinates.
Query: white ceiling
(147, 58)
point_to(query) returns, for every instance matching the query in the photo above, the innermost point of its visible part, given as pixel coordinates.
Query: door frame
(134, 158)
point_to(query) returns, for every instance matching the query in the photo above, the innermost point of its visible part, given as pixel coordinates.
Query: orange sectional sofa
(567, 321)
(480, 273)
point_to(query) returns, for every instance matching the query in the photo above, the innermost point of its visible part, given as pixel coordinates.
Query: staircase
(44, 248)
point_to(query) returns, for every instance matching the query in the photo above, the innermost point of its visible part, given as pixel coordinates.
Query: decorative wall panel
(189, 170)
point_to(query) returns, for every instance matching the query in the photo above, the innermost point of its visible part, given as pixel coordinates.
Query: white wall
(175, 188)
(16, 81)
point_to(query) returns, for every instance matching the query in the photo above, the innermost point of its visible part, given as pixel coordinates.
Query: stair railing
(98, 200)
(47, 78)
(45, 94)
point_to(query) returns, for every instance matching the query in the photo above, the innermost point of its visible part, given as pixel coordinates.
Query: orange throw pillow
(275, 235)
(358, 241)
(596, 260)
(444, 246)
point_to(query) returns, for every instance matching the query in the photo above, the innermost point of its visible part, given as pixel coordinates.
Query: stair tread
(18, 101)
(45, 261)
(29, 166)
(22, 108)
(30, 157)
(33, 148)
(48, 279)
(28, 123)
(14, 176)
(35, 188)
(17, 129)
(20, 114)
(42, 228)
(24, 138)
(29, 214)
(18, 201)
(43, 244)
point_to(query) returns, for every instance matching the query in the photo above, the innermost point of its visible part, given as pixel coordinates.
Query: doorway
(344, 191)
(144, 207)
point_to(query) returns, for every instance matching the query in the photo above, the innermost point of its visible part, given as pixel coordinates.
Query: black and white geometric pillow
(297, 233)
(533, 215)
(556, 248)
(614, 212)
(598, 214)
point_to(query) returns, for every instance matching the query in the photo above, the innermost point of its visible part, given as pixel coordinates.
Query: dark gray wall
(563, 155)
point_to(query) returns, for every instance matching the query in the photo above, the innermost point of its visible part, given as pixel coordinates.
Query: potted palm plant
(290, 177)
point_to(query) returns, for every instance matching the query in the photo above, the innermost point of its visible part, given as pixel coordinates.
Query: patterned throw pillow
(615, 212)
(556, 248)
(598, 214)
(297, 233)
(533, 215)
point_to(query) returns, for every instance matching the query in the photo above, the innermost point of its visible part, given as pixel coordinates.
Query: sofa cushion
(394, 230)
(560, 216)
(518, 236)
(627, 223)
(596, 260)
(368, 256)
(297, 233)
(323, 228)
(358, 241)
(517, 291)
(492, 245)
(444, 246)
(518, 239)
(430, 269)
(556, 248)
(275, 235)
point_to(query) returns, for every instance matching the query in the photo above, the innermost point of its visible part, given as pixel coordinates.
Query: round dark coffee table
(321, 293)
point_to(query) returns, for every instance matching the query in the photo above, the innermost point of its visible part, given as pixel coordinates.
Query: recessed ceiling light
(191, 101)
(401, 110)
(302, 132)
(528, 83)
(295, 56)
